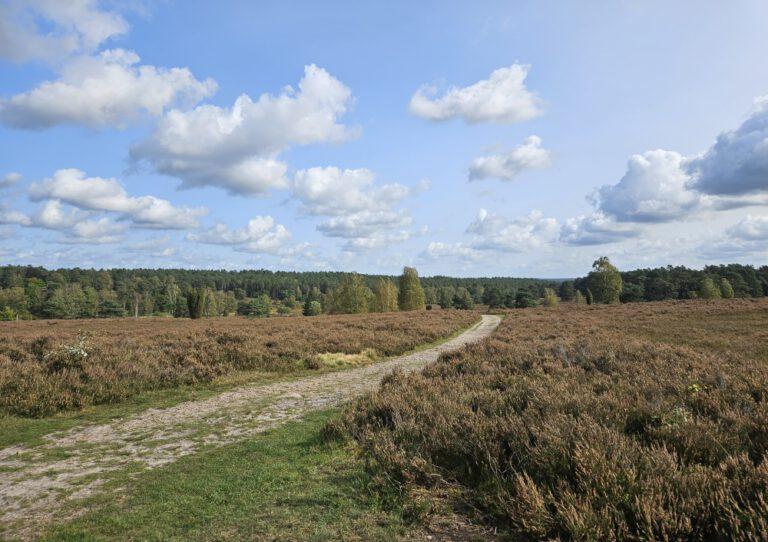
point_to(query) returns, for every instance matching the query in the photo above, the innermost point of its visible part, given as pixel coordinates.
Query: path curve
(33, 486)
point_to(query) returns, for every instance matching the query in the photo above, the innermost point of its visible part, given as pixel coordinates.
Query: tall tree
(604, 281)
(726, 290)
(708, 289)
(385, 296)
(411, 296)
(351, 296)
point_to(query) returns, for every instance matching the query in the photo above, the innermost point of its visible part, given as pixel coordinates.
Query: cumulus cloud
(502, 98)
(76, 225)
(236, 148)
(108, 195)
(261, 234)
(494, 232)
(10, 180)
(750, 228)
(595, 229)
(654, 189)
(529, 155)
(437, 250)
(359, 211)
(333, 191)
(110, 89)
(737, 163)
(52, 29)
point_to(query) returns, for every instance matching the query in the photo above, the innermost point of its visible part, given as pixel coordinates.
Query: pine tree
(463, 299)
(411, 296)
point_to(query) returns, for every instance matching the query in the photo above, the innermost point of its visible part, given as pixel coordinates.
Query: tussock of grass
(340, 359)
(641, 422)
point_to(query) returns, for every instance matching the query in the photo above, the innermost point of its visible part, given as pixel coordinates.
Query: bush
(524, 300)
(550, 298)
(570, 424)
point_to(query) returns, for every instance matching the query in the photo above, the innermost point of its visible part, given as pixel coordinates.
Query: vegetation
(46, 367)
(411, 295)
(604, 281)
(35, 292)
(385, 296)
(638, 422)
(284, 485)
(550, 298)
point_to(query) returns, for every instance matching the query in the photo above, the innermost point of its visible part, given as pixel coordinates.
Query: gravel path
(36, 482)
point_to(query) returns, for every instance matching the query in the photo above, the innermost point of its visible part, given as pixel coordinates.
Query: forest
(28, 292)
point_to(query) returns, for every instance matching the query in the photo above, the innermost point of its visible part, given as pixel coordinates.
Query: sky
(463, 138)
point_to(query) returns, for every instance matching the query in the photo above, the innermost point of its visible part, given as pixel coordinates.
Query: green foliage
(605, 281)
(314, 308)
(257, 307)
(567, 290)
(493, 297)
(590, 297)
(579, 298)
(463, 299)
(524, 300)
(385, 296)
(351, 296)
(7, 314)
(445, 296)
(550, 298)
(726, 290)
(632, 292)
(411, 295)
(195, 303)
(708, 289)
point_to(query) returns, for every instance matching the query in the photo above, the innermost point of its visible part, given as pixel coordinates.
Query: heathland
(610, 422)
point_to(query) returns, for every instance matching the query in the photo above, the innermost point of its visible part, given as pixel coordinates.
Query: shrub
(550, 298)
(524, 300)
(625, 422)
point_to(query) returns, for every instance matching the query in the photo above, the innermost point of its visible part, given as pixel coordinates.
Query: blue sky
(465, 138)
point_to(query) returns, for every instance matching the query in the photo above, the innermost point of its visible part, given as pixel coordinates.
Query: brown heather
(634, 422)
(53, 365)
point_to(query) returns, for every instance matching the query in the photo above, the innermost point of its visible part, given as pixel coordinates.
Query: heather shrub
(48, 366)
(588, 423)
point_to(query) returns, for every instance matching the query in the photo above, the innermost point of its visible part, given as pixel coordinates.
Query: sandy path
(36, 482)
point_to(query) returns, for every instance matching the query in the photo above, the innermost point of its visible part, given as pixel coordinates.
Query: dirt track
(36, 482)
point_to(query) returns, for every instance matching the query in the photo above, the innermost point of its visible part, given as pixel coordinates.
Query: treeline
(36, 292)
(679, 282)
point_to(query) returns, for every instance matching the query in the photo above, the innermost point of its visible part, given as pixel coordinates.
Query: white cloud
(75, 224)
(502, 98)
(654, 189)
(737, 163)
(529, 155)
(595, 229)
(750, 228)
(53, 29)
(335, 192)
(108, 195)
(494, 232)
(261, 234)
(437, 250)
(10, 180)
(235, 149)
(105, 90)
(364, 223)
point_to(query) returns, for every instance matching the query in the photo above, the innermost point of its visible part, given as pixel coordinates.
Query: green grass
(283, 485)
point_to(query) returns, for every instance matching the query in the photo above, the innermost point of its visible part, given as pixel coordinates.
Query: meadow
(623, 422)
(47, 366)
